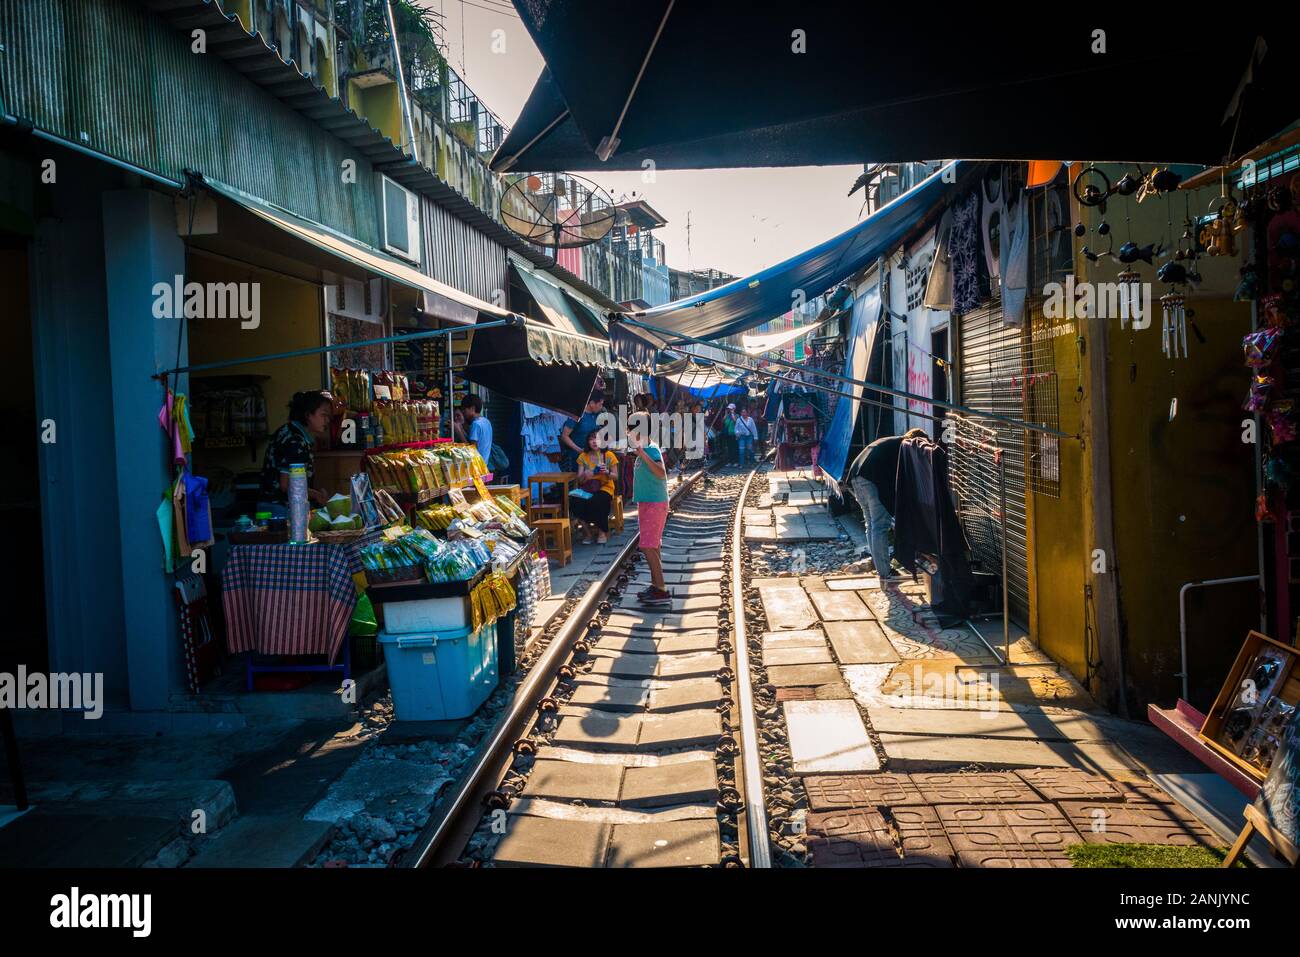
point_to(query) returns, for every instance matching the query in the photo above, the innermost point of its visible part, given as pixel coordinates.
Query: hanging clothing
(198, 511)
(925, 522)
(1015, 262)
(970, 271)
(938, 285)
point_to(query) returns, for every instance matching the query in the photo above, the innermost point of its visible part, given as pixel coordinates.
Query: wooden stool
(543, 511)
(616, 518)
(557, 538)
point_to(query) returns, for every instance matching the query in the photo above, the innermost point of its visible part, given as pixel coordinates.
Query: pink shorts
(651, 517)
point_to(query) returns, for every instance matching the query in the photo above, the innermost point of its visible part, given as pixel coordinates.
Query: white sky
(741, 220)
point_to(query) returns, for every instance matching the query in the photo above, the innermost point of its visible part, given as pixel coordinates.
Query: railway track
(632, 740)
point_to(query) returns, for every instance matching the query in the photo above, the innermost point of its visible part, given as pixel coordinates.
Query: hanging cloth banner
(771, 341)
(834, 453)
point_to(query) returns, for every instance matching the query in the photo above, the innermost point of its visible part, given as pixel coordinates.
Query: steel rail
(760, 846)
(459, 814)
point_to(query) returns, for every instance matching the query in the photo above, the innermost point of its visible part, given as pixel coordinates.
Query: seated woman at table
(596, 471)
(294, 443)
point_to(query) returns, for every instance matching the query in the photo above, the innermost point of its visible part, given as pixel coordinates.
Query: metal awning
(839, 84)
(528, 362)
(330, 250)
(564, 312)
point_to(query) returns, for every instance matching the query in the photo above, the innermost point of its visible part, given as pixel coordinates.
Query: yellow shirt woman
(588, 461)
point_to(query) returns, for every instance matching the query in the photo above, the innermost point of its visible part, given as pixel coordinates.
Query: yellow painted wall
(1058, 546)
(1183, 490)
(243, 10)
(379, 106)
(290, 319)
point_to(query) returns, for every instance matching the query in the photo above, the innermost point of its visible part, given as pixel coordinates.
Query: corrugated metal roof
(372, 260)
(252, 56)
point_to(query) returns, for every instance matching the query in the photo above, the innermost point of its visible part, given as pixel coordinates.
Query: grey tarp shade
(530, 363)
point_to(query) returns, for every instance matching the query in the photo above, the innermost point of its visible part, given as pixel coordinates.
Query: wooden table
(541, 479)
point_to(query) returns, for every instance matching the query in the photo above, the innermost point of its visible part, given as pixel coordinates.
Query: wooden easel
(1255, 821)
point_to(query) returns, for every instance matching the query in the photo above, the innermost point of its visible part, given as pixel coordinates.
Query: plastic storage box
(440, 675)
(426, 615)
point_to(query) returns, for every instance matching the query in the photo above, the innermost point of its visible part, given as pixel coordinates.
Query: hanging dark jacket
(926, 522)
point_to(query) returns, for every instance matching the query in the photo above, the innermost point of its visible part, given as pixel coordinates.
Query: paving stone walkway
(973, 764)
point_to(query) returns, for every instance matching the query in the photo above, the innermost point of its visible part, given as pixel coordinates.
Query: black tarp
(729, 83)
(530, 363)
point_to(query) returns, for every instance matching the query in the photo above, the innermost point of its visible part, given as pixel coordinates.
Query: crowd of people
(735, 432)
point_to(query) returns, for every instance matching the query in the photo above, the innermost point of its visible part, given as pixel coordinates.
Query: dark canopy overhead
(528, 362)
(721, 83)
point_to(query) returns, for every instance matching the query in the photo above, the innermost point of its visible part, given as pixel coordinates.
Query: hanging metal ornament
(1173, 325)
(1130, 296)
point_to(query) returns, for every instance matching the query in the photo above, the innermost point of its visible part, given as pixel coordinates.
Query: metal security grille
(992, 369)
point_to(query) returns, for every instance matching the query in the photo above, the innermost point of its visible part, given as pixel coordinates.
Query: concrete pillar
(78, 481)
(141, 248)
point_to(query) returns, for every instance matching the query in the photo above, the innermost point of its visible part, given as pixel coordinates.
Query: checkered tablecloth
(289, 599)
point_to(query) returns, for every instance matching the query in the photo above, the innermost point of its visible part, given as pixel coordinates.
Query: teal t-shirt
(646, 486)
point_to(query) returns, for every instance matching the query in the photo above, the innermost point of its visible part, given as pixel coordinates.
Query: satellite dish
(559, 210)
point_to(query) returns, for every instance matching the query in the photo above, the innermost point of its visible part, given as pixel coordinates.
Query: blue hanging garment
(198, 515)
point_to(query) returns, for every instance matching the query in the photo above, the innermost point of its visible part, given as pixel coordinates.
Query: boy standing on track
(650, 484)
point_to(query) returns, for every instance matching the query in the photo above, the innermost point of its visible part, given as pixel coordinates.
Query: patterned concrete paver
(1109, 822)
(922, 837)
(1008, 835)
(834, 792)
(973, 788)
(1066, 784)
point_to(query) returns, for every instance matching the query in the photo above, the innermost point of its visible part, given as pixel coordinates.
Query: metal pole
(1006, 608)
(314, 350)
(1182, 614)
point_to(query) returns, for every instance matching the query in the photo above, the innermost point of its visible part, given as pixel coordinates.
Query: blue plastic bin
(440, 675)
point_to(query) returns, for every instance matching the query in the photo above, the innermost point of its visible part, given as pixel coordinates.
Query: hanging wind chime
(1173, 325)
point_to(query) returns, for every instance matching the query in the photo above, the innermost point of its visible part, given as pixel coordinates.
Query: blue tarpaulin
(834, 453)
(746, 303)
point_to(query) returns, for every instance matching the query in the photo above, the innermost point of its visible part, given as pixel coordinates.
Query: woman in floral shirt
(294, 443)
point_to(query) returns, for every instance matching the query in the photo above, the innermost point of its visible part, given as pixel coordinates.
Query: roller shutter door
(992, 379)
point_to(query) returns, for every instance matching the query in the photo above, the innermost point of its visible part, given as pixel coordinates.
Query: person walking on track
(650, 485)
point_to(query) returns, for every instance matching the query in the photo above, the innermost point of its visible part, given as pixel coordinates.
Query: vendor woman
(596, 471)
(294, 443)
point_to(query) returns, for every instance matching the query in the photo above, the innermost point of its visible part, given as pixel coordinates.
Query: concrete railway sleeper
(632, 741)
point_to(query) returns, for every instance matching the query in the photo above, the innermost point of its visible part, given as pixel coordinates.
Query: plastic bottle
(298, 507)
